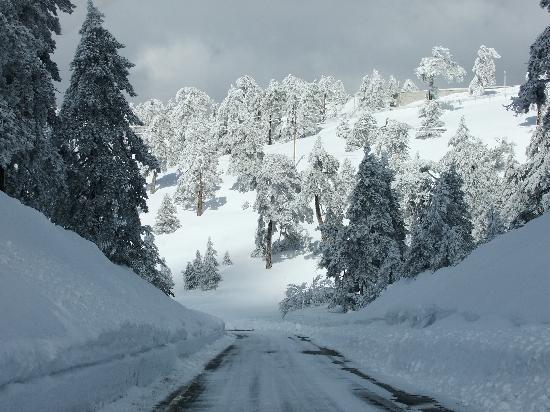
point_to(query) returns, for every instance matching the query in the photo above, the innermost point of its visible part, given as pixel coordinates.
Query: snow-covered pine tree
(210, 271)
(533, 91)
(227, 259)
(431, 124)
(441, 234)
(439, 64)
(102, 153)
(392, 92)
(189, 106)
(320, 178)
(364, 132)
(343, 130)
(30, 168)
(374, 238)
(193, 274)
(478, 167)
(148, 264)
(272, 109)
(333, 95)
(545, 4)
(373, 92)
(198, 166)
(345, 182)
(484, 70)
(409, 86)
(278, 202)
(167, 220)
(393, 140)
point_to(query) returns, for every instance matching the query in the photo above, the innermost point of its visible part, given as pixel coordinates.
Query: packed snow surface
(76, 330)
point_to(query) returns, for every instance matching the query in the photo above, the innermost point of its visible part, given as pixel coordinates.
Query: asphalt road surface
(274, 372)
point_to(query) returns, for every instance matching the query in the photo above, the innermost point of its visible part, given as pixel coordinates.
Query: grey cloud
(209, 43)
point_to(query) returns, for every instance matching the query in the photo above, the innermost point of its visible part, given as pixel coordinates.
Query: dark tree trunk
(268, 246)
(318, 209)
(2, 179)
(154, 182)
(200, 196)
(539, 114)
(430, 89)
(270, 133)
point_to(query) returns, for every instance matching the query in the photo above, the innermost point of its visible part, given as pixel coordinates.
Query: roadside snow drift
(75, 330)
(478, 332)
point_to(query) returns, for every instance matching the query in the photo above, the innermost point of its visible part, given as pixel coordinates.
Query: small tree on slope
(431, 125)
(193, 273)
(210, 272)
(484, 70)
(227, 260)
(364, 133)
(278, 202)
(167, 219)
(374, 239)
(320, 177)
(439, 64)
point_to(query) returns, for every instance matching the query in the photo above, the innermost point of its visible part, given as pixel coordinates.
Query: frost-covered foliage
(375, 93)
(478, 167)
(158, 134)
(409, 86)
(533, 91)
(192, 274)
(319, 292)
(344, 184)
(366, 255)
(151, 267)
(27, 102)
(484, 70)
(343, 130)
(198, 167)
(441, 230)
(364, 132)
(104, 157)
(333, 96)
(227, 259)
(531, 182)
(393, 142)
(431, 125)
(439, 64)
(167, 220)
(272, 105)
(320, 179)
(545, 4)
(211, 277)
(279, 203)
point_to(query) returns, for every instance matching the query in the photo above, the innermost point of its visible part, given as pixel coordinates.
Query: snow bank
(76, 330)
(478, 332)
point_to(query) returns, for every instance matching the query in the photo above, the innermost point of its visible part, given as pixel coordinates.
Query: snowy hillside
(248, 290)
(76, 330)
(486, 320)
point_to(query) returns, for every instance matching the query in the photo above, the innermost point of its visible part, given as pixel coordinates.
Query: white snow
(76, 330)
(477, 333)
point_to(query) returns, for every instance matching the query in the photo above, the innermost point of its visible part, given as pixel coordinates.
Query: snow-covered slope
(76, 330)
(250, 291)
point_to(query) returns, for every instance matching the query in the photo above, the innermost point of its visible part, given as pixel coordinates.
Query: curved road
(270, 372)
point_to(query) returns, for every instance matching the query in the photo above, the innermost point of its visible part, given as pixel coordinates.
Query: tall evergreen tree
(278, 202)
(364, 132)
(484, 70)
(374, 238)
(441, 234)
(320, 178)
(102, 153)
(440, 64)
(193, 273)
(431, 124)
(30, 168)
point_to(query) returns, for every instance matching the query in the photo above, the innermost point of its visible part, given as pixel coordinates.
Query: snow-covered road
(276, 372)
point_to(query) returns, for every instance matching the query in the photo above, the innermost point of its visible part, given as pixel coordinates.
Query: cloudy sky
(209, 43)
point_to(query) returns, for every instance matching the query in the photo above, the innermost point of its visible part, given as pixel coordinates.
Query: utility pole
(504, 83)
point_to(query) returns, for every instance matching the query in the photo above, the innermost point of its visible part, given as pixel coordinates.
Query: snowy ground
(76, 330)
(474, 334)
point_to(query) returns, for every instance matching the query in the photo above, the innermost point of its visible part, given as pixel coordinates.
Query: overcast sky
(210, 43)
